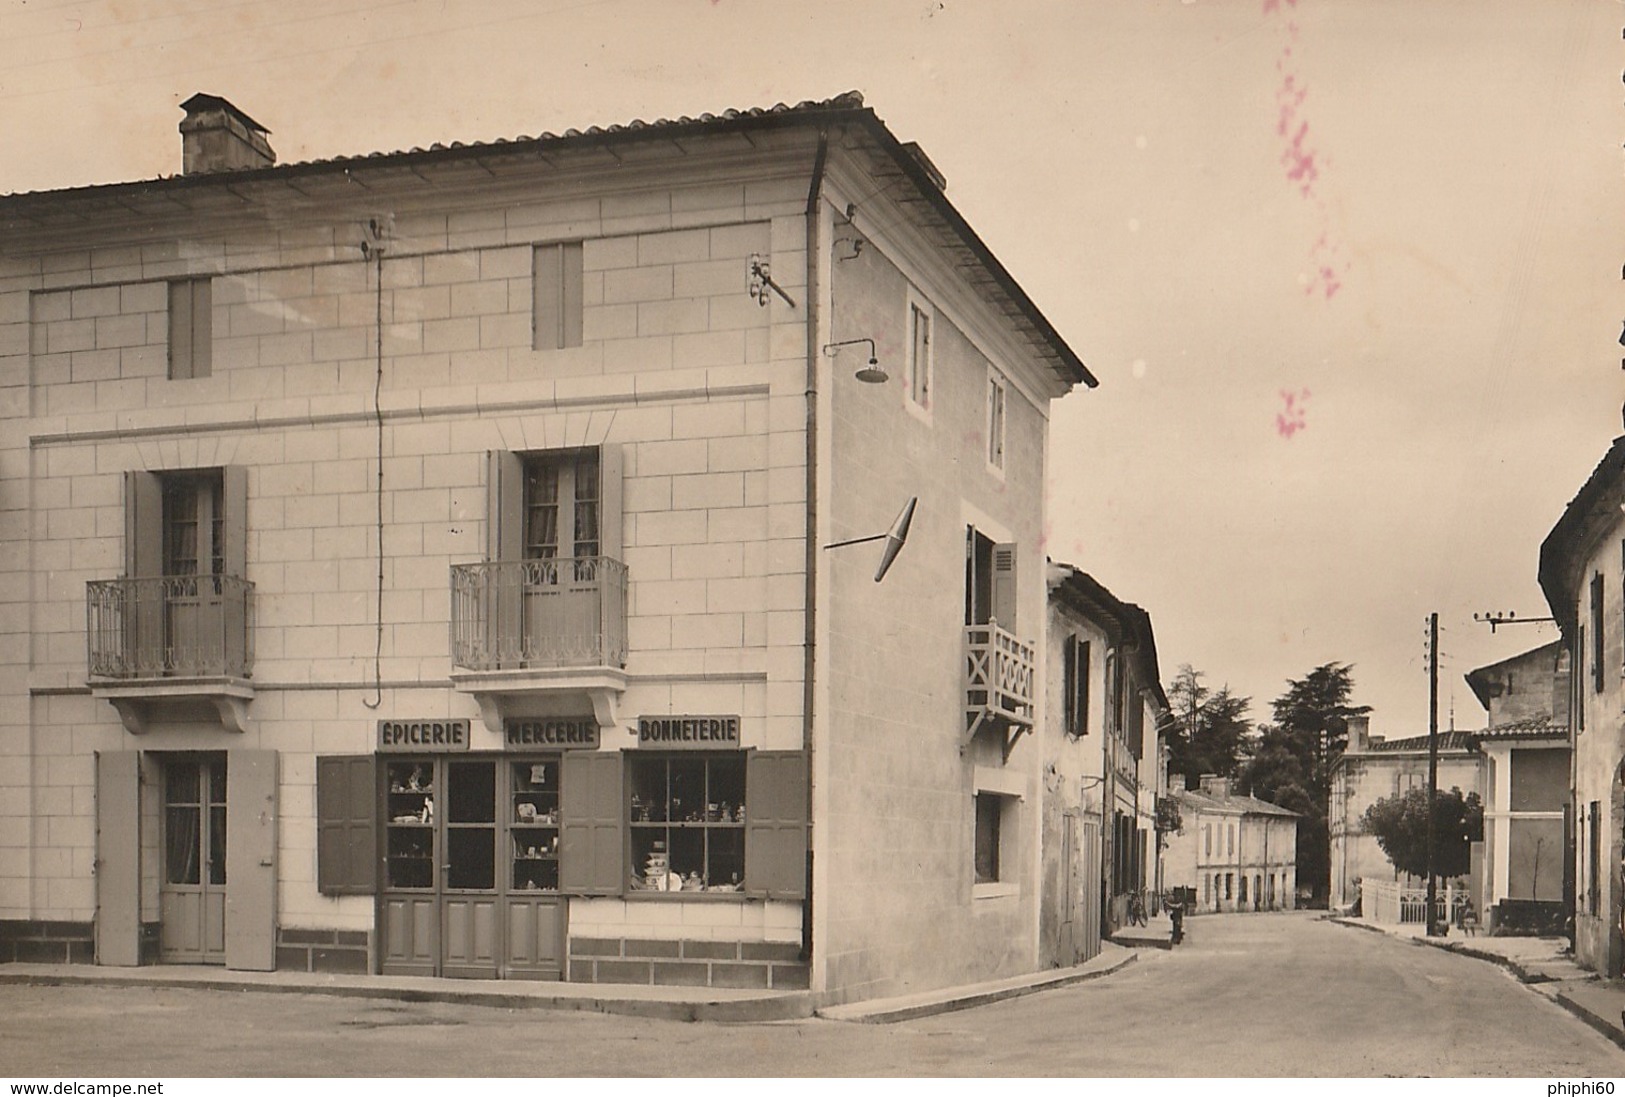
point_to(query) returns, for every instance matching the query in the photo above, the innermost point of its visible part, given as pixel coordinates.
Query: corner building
(414, 562)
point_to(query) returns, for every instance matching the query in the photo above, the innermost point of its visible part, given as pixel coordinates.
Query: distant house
(1102, 763)
(1526, 783)
(1582, 572)
(1235, 852)
(1373, 768)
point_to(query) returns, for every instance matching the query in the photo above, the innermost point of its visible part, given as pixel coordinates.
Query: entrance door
(471, 868)
(192, 892)
(468, 899)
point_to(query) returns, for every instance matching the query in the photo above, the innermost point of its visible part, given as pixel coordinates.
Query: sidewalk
(1544, 964)
(662, 1002)
(667, 1003)
(1158, 933)
(888, 1010)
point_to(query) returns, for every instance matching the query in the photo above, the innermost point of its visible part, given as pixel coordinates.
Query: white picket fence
(1389, 903)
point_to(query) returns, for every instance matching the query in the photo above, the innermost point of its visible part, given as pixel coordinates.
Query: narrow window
(1593, 857)
(1080, 703)
(558, 307)
(191, 328)
(1069, 686)
(919, 355)
(995, 421)
(1207, 840)
(978, 577)
(1596, 632)
(988, 811)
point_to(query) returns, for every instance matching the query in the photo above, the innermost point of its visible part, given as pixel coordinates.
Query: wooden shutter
(143, 525)
(1083, 688)
(251, 853)
(202, 327)
(504, 506)
(1597, 632)
(611, 473)
(1069, 686)
(571, 297)
(591, 809)
(180, 330)
(776, 824)
(1004, 586)
(118, 858)
(556, 283)
(235, 550)
(346, 825)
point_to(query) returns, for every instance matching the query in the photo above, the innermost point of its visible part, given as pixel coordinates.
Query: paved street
(1247, 995)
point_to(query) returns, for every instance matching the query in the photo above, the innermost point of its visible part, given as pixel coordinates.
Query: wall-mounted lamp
(870, 374)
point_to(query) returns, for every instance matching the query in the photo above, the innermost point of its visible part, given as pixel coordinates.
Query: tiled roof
(1533, 727)
(1234, 803)
(1448, 740)
(851, 100)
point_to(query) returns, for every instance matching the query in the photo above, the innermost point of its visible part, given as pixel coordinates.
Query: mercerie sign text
(422, 736)
(551, 733)
(688, 732)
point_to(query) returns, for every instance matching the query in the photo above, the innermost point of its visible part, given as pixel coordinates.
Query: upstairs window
(191, 328)
(1596, 632)
(990, 581)
(194, 521)
(919, 354)
(562, 495)
(1075, 686)
(995, 421)
(558, 307)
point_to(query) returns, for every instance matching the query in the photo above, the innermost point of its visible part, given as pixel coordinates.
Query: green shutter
(592, 859)
(776, 824)
(346, 825)
(202, 327)
(251, 854)
(1004, 586)
(180, 330)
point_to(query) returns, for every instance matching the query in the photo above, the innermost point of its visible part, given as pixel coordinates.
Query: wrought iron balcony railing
(522, 614)
(170, 626)
(998, 677)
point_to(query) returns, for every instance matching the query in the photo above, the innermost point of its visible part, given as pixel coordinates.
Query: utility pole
(1433, 766)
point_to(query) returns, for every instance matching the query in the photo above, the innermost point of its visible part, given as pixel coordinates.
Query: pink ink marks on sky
(1291, 419)
(1303, 163)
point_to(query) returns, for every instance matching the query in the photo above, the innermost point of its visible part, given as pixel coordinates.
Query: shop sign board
(551, 733)
(688, 732)
(422, 736)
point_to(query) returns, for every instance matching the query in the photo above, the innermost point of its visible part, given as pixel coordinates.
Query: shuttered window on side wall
(776, 824)
(558, 306)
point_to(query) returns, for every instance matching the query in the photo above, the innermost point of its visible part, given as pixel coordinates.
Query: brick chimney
(216, 136)
(1215, 786)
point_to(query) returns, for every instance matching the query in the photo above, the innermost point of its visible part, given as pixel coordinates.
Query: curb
(1614, 1032)
(1602, 1024)
(908, 1009)
(773, 1007)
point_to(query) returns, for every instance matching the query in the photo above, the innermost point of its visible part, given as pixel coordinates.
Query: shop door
(192, 892)
(471, 869)
(468, 897)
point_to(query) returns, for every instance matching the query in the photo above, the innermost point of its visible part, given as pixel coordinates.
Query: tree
(1290, 760)
(1209, 728)
(1400, 825)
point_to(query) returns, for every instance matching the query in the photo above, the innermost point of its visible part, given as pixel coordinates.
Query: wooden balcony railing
(170, 626)
(519, 614)
(998, 679)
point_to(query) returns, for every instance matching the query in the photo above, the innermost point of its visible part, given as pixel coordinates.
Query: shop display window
(409, 844)
(687, 819)
(533, 825)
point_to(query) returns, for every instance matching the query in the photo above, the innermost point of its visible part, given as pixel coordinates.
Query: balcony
(524, 629)
(171, 641)
(998, 683)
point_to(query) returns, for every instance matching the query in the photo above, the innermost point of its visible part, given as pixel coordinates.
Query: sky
(1349, 271)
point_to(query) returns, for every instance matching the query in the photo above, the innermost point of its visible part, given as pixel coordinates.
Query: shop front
(555, 858)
